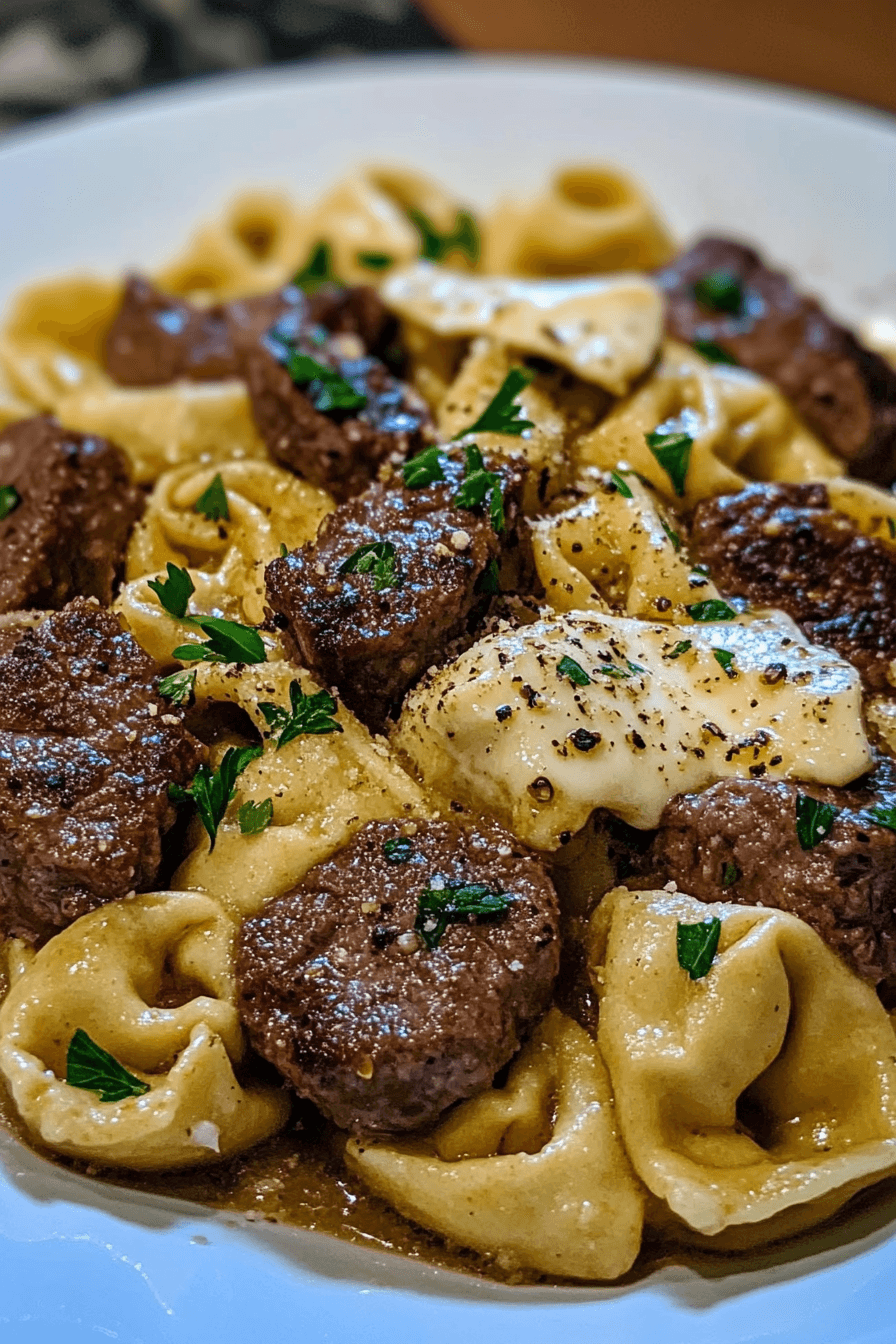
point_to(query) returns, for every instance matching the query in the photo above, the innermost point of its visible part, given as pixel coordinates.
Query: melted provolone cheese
(502, 730)
(606, 329)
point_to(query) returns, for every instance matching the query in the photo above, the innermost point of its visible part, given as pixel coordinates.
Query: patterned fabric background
(56, 54)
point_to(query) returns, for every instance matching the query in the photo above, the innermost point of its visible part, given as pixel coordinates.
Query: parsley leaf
(317, 271)
(721, 291)
(730, 874)
(326, 389)
(725, 660)
(438, 907)
(212, 790)
(621, 485)
(284, 550)
(673, 452)
(228, 642)
(620, 673)
(10, 499)
(212, 503)
(178, 687)
(89, 1066)
(503, 415)
(568, 667)
(711, 609)
(398, 849)
(308, 714)
(489, 581)
(175, 592)
(435, 246)
(681, 647)
(377, 558)
(479, 484)
(882, 815)
(814, 820)
(697, 946)
(891, 527)
(714, 353)
(425, 469)
(375, 261)
(672, 535)
(255, 817)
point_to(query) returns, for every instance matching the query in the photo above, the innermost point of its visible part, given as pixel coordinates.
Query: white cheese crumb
(153, 711)
(515, 966)
(460, 540)
(671, 885)
(171, 719)
(406, 942)
(368, 907)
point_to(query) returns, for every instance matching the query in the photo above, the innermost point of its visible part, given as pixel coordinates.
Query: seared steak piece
(356, 1010)
(73, 510)
(87, 751)
(784, 546)
(846, 393)
(738, 841)
(337, 446)
(372, 624)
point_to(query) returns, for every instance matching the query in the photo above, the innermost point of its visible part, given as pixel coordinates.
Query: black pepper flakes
(503, 712)
(583, 740)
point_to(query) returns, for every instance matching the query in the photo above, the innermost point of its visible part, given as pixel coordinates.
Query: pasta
(592, 672)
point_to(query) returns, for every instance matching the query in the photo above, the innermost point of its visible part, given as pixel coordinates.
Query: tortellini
(532, 1173)
(104, 974)
(768, 1084)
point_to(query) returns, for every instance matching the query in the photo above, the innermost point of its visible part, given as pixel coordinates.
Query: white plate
(814, 184)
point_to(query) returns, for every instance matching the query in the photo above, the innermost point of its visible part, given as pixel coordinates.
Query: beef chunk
(784, 546)
(846, 393)
(338, 449)
(87, 751)
(738, 841)
(339, 993)
(67, 534)
(371, 635)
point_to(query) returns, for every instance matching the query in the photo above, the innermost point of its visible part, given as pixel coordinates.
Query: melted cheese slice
(606, 329)
(502, 730)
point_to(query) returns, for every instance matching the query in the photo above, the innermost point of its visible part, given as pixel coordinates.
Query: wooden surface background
(846, 47)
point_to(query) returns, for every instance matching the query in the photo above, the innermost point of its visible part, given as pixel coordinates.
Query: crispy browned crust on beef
(374, 645)
(843, 391)
(87, 751)
(844, 887)
(381, 1037)
(784, 546)
(67, 536)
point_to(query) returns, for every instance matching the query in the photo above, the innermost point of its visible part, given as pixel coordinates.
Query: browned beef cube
(87, 751)
(71, 514)
(843, 391)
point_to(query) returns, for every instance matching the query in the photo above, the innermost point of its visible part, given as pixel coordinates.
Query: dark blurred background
(56, 54)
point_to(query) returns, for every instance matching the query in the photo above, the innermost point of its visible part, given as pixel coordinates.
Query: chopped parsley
(489, 581)
(451, 904)
(681, 647)
(891, 527)
(720, 291)
(436, 246)
(89, 1066)
(621, 485)
(317, 271)
(375, 261)
(307, 715)
(568, 667)
(212, 503)
(426, 468)
(10, 499)
(673, 453)
(255, 817)
(711, 609)
(714, 353)
(673, 536)
(212, 790)
(175, 592)
(697, 946)
(284, 550)
(882, 815)
(725, 660)
(814, 820)
(398, 849)
(325, 388)
(179, 686)
(377, 558)
(730, 874)
(479, 484)
(614, 670)
(227, 642)
(503, 415)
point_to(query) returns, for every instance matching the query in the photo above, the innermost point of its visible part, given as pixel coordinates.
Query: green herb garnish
(426, 468)
(672, 535)
(317, 271)
(308, 715)
(398, 850)
(255, 817)
(721, 291)
(673, 453)
(681, 647)
(568, 667)
(814, 820)
(620, 673)
(714, 353)
(175, 592)
(882, 815)
(375, 261)
(697, 946)
(212, 503)
(326, 389)
(489, 581)
(284, 550)
(711, 609)
(377, 558)
(503, 415)
(228, 642)
(730, 874)
(479, 484)
(10, 499)
(621, 485)
(89, 1066)
(212, 790)
(178, 687)
(725, 660)
(452, 903)
(436, 246)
